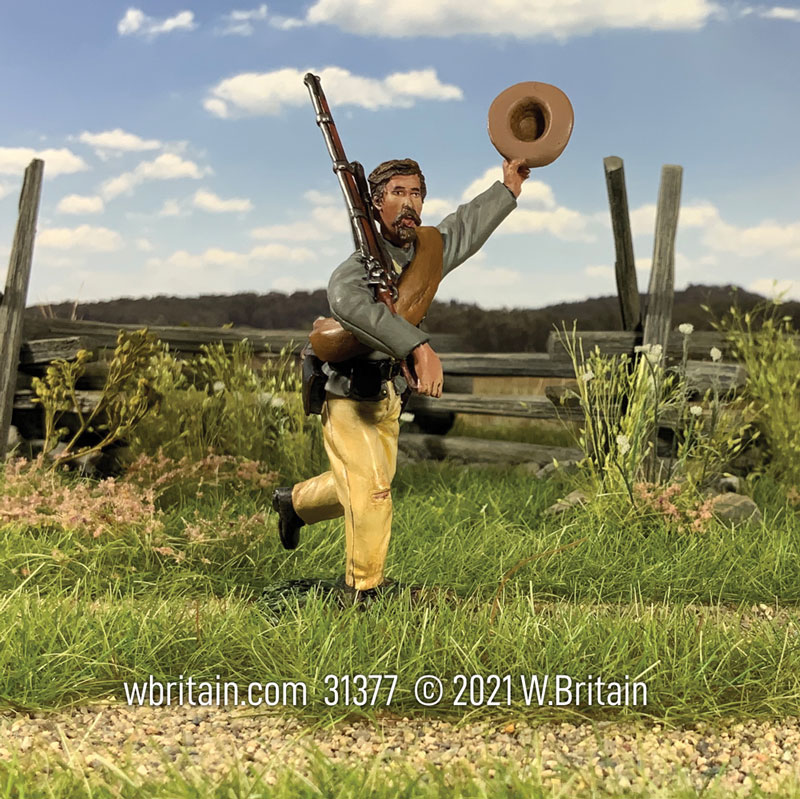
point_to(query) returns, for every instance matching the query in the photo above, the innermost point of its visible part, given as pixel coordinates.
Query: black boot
(289, 523)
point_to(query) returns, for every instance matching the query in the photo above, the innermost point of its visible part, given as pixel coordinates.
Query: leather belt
(367, 377)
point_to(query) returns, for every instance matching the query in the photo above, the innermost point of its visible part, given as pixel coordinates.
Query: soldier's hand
(428, 369)
(515, 173)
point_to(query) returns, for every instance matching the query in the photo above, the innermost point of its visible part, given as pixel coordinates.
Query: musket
(377, 262)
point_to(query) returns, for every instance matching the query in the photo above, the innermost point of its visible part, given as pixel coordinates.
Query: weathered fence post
(662, 273)
(624, 266)
(12, 305)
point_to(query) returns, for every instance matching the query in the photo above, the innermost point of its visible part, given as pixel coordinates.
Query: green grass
(461, 528)
(489, 780)
(81, 615)
(696, 665)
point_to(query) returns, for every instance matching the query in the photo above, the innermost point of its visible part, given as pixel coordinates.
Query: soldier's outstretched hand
(428, 369)
(515, 173)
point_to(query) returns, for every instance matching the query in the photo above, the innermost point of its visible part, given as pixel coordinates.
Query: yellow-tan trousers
(361, 442)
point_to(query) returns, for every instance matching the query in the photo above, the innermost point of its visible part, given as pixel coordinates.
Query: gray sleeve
(354, 306)
(465, 231)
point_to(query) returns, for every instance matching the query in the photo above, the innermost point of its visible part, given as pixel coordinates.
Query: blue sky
(182, 157)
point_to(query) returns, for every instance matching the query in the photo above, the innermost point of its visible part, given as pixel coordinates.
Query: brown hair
(384, 172)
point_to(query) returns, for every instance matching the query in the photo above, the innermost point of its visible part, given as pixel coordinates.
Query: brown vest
(416, 289)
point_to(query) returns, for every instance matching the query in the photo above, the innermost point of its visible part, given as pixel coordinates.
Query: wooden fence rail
(459, 368)
(47, 339)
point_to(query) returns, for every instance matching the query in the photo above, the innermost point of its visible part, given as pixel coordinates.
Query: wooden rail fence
(44, 340)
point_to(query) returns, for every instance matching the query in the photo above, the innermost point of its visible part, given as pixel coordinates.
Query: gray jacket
(353, 303)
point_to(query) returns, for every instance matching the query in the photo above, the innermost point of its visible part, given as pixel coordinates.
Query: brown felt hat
(531, 121)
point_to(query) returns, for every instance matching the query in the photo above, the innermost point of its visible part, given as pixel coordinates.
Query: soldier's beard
(405, 233)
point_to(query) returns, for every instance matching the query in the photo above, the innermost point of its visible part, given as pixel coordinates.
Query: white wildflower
(268, 398)
(651, 351)
(587, 375)
(686, 329)
(623, 444)
(696, 410)
(716, 354)
(218, 386)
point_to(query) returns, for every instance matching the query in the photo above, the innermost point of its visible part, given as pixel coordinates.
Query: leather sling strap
(416, 288)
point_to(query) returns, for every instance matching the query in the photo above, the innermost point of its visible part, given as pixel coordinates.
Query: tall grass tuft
(766, 344)
(625, 402)
(218, 403)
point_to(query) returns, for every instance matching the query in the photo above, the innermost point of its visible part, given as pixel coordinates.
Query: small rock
(404, 460)
(736, 508)
(530, 467)
(564, 467)
(728, 484)
(572, 499)
(14, 438)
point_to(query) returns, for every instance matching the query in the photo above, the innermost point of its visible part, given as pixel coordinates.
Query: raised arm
(466, 230)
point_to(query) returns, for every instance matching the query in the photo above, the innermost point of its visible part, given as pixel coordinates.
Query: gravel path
(737, 756)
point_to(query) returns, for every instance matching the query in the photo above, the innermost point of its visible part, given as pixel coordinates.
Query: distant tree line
(499, 330)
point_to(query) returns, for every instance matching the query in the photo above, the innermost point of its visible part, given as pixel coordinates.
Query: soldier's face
(400, 209)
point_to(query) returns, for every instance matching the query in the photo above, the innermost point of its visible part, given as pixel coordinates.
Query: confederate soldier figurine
(361, 411)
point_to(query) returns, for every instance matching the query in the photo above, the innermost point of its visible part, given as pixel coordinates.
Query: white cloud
(49, 259)
(286, 23)
(208, 201)
(437, 208)
(137, 23)
(132, 22)
(700, 215)
(291, 231)
(84, 237)
(482, 183)
(535, 193)
(281, 252)
(697, 216)
(271, 92)
(144, 245)
(771, 288)
(80, 204)
(763, 239)
(166, 166)
(563, 223)
(519, 18)
(326, 219)
(321, 197)
(5, 189)
(215, 257)
(781, 12)
(217, 107)
(643, 271)
(14, 160)
(170, 208)
(118, 140)
(239, 23)
(605, 272)
(643, 220)
(537, 209)
(494, 285)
